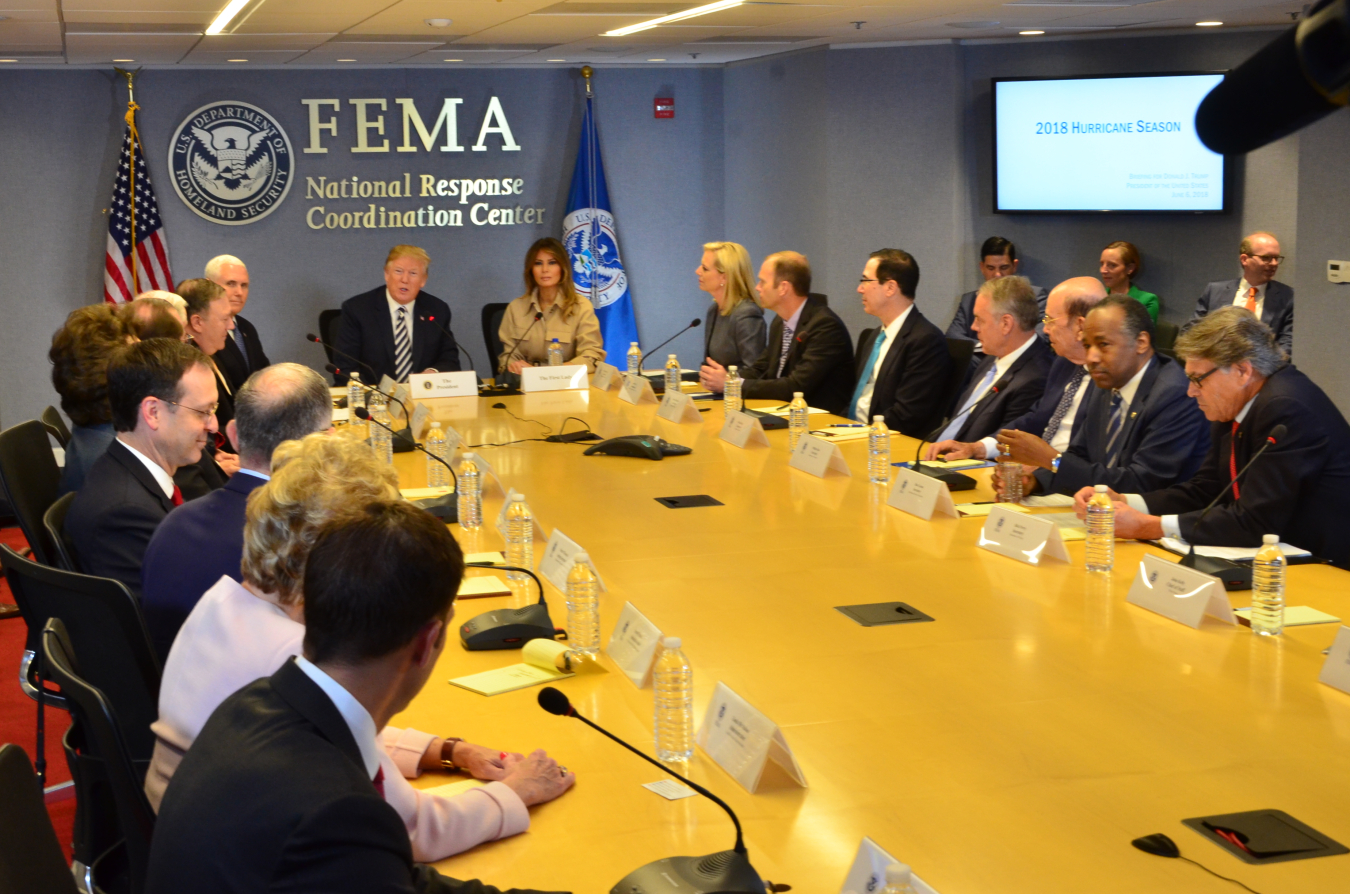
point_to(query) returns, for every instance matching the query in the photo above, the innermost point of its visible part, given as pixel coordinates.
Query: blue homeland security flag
(593, 245)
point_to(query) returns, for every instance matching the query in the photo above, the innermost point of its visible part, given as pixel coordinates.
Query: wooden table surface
(1017, 744)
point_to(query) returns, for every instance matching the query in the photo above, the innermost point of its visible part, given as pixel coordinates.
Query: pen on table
(848, 425)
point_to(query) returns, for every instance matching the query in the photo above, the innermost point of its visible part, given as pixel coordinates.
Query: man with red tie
(163, 399)
(1272, 302)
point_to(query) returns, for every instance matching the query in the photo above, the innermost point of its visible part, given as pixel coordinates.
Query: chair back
(54, 523)
(31, 478)
(328, 330)
(1165, 338)
(960, 350)
(56, 426)
(104, 621)
(492, 324)
(91, 710)
(30, 856)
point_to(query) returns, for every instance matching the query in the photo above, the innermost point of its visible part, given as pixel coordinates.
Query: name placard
(637, 390)
(552, 378)
(1336, 669)
(447, 384)
(453, 439)
(741, 740)
(402, 393)
(632, 645)
(1180, 593)
(1023, 537)
(818, 456)
(501, 518)
(920, 495)
(867, 875)
(606, 376)
(560, 554)
(742, 430)
(387, 384)
(676, 406)
(491, 482)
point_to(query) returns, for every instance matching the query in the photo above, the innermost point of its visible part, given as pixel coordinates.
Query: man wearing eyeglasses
(1298, 489)
(163, 398)
(1257, 290)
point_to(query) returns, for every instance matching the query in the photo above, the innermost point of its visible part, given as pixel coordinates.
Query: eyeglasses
(864, 279)
(1047, 319)
(1199, 380)
(205, 414)
(1268, 259)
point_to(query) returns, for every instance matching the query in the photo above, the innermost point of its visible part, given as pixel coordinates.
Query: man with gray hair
(243, 353)
(1298, 489)
(204, 538)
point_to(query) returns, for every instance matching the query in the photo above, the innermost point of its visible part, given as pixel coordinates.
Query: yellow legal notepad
(542, 660)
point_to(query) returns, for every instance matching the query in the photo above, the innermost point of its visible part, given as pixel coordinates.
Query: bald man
(1271, 301)
(243, 353)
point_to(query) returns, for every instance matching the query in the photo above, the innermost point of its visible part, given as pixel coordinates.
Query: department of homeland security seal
(595, 262)
(231, 163)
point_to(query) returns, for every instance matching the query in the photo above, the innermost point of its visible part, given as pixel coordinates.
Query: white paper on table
(1230, 553)
(1047, 500)
(670, 789)
(783, 411)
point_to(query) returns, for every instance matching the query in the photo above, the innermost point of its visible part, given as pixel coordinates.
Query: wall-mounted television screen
(1122, 143)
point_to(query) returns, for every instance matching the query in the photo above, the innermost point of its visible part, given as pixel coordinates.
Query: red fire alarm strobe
(664, 107)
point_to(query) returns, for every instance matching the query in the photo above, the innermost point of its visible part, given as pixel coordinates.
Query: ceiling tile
(152, 49)
(368, 53)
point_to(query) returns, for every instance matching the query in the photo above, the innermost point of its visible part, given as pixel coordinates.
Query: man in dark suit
(998, 257)
(1298, 489)
(808, 348)
(1055, 415)
(1011, 378)
(281, 789)
(1139, 430)
(398, 329)
(204, 539)
(1257, 290)
(243, 353)
(163, 397)
(903, 366)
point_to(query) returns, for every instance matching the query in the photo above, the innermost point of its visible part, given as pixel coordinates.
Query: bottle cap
(517, 498)
(354, 376)
(435, 425)
(878, 420)
(1270, 538)
(635, 344)
(581, 559)
(1099, 488)
(797, 394)
(670, 356)
(898, 874)
(732, 369)
(671, 642)
(555, 341)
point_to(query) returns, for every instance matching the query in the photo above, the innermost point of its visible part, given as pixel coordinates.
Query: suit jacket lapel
(893, 352)
(132, 464)
(309, 701)
(869, 338)
(795, 347)
(1140, 401)
(387, 331)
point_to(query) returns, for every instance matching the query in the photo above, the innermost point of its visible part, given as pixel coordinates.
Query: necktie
(378, 782)
(1113, 426)
(1251, 299)
(867, 376)
(1232, 459)
(1062, 409)
(955, 426)
(177, 496)
(239, 341)
(402, 347)
(782, 355)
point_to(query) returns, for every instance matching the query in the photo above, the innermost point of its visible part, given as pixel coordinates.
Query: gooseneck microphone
(445, 507)
(403, 438)
(954, 480)
(729, 872)
(694, 325)
(454, 341)
(318, 341)
(505, 390)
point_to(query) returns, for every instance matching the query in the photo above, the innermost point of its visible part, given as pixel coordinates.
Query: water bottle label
(818, 456)
(1180, 593)
(637, 390)
(632, 645)
(920, 495)
(606, 376)
(741, 740)
(1025, 538)
(676, 406)
(559, 557)
(742, 430)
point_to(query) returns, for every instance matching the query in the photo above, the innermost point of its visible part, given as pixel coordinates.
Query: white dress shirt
(1240, 297)
(162, 478)
(393, 320)
(1060, 442)
(892, 332)
(358, 718)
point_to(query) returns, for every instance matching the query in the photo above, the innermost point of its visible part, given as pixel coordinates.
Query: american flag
(133, 205)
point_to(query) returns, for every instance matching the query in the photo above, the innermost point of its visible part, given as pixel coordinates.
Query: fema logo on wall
(231, 163)
(595, 261)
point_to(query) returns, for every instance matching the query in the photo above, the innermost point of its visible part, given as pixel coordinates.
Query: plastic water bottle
(731, 391)
(879, 451)
(555, 357)
(798, 419)
(635, 360)
(1268, 587)
(519, 537)
(673, 685)
(1101, 531)
(470, 494)
(583, 607)
(899, 879)
(1010, 473)
(437, 474)
(381, 438)
(356, 397)
(672, 374)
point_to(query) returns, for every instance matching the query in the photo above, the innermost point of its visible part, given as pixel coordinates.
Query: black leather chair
(328, 330)
(31, 478)
(31, 861)
(105, 734)
(492, 324)
(960, 350)
(54, 523)
(1165, 338)
(56, 426)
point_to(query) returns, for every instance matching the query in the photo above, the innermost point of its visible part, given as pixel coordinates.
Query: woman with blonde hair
(551, 299)
(733, 331)
(240, 632)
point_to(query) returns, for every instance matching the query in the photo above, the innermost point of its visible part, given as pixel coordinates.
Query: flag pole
(593, 189)
(135, 141)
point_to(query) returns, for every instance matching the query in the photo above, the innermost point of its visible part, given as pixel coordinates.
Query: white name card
(637, 390)
(560, 554)
(552, 378)
(920, 495)
(452, 384)
(419, 422)
(453, 439)
(676, 406)
(632, 645)
(403, 393)
(1180, 593)
(741, 740)
(742, 430)
(606, 376)
(867, 875)
(1023, 537)
(1336, 669)
(387, 384)
(818, 456)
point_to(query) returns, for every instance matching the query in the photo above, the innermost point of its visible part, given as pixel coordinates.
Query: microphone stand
(497, 387)
(403, 438)
(458, 347)
(445, 508)
(318, 341)
(953, 480)
(660, 380)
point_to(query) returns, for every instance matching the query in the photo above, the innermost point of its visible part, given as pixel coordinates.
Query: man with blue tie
(902, 366)
(1138, 429)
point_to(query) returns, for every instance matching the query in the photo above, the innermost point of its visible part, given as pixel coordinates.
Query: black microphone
(694, 325)
(454, 341)
(1303, 75)
(499, 388)
(508, 628)
(442, 507)
(403, 438)
(1233, 575)
(318, 341)
(727, 871)
(953, 480)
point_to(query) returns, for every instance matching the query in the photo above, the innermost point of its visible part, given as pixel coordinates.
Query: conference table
(1015, 744)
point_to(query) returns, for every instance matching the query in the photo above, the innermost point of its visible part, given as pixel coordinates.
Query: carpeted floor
(18, 712)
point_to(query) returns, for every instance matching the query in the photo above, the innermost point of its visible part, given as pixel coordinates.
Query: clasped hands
(535, 778)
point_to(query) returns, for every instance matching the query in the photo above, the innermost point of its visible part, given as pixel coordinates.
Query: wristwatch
(1054, 463)
(448, 747)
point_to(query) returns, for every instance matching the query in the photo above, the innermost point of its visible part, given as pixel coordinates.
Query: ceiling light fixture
(675, 17)
(9, 60)
(656, 60)
(555, 60)
(454, 60)
(346, 60)
(124, 60)
(1030, 33)
(236, 60)
(440, 23)
(1208, 24)
(226, 16)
